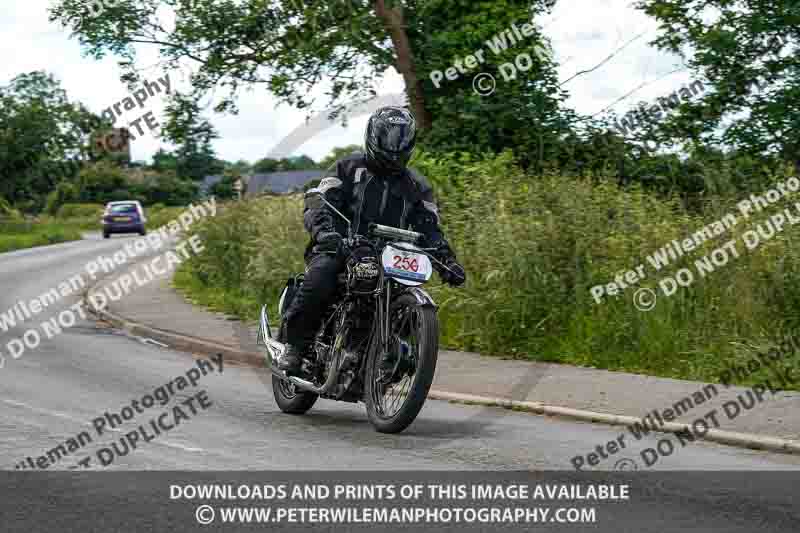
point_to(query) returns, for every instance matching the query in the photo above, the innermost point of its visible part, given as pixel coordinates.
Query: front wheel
(394, 401)
(290, 399)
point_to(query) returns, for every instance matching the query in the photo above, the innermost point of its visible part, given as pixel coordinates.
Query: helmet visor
(397, 137)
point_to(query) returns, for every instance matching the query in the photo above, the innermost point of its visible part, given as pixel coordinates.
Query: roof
(281, 182)
(123, 202)
(208, 182)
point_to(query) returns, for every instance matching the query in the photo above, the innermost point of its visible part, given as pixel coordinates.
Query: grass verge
(19, 235)
(533, 247)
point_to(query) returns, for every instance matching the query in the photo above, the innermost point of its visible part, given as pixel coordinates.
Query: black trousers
(304, 315)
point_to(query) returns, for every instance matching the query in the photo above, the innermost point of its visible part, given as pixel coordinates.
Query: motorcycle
(378, 343)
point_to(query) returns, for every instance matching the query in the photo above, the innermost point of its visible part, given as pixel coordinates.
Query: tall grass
(19, 234)
(533, 248)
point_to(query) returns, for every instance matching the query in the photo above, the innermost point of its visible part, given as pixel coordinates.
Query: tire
(427, 334)
(296, 403)
(106, 235)
(293, 403)
(143, 232)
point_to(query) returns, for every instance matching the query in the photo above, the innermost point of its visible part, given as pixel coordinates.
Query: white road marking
(148, 340)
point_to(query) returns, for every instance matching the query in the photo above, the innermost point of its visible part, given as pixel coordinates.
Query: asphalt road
(52, 393)
(55, 391)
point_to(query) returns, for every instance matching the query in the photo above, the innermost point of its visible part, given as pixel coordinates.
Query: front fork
(384, 344)
(387, 318)
(384, 321)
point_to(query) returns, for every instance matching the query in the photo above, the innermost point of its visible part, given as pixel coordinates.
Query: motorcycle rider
(374, 186)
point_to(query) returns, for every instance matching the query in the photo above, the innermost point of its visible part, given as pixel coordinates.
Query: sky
(583, 33)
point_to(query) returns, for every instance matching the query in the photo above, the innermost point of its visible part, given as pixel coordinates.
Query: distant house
(281, 182)
(208, 182)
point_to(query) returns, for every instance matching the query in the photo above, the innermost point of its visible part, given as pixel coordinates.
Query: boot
(292, 360)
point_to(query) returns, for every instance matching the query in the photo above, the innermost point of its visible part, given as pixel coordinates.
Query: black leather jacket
(402, 202)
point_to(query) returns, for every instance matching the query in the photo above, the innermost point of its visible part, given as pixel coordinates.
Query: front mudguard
(422, 296)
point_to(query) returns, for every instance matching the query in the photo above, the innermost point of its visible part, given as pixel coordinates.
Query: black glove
(329, 241)
(455, 276)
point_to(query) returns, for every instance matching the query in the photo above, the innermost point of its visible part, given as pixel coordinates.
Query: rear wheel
(394, 401)
(106, 235)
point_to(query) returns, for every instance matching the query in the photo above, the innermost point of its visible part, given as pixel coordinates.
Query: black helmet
(389, 140)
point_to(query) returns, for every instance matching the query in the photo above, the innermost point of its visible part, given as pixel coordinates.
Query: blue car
(123, 217)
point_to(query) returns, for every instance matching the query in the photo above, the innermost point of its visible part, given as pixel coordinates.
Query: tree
(301, 162)
(336, 154)
(98, 181)
(164, 161)
(185, 127)
(240, 167)
(746, 52)
(267, 165)
(41, 132)
(343, 47)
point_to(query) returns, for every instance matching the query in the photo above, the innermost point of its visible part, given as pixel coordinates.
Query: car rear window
(124, 208)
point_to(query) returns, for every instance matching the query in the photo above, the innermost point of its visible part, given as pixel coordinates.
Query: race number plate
(409, 268)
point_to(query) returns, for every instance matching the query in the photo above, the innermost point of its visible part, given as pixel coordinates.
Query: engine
(364, 271)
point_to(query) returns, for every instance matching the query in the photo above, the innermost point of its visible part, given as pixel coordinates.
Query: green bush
(7, 212)
(164, 189)
(99, 182)
(65, 192)
(103, 182)
(93, 211)
(159, 215)
(224, 189)
(27, 234)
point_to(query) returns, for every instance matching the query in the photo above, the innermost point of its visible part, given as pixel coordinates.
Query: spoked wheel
(290, 399)
(396, 393)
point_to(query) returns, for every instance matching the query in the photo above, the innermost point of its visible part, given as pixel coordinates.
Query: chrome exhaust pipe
(276, 350)
(329, 384)
(303, 384)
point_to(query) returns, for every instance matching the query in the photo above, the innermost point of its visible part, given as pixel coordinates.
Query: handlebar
(388, 232)
(379, 230)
